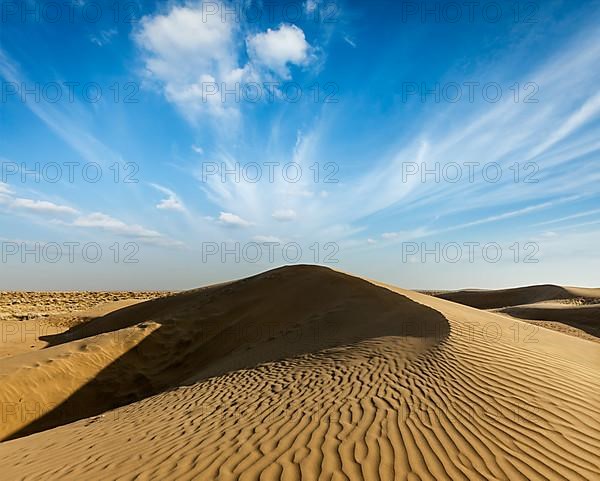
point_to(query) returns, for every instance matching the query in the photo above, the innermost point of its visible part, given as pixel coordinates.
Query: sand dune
(394, 385)
(571, 310)
(143, 349)
(497, 298)
(582, 321)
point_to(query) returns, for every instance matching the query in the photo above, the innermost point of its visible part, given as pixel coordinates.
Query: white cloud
(390, 235)
(284, 215)
(276, 49)
(41, 206)
(98, 220)
(5, 189)
(184, 50)
(95, 220)
(267, 238)
(233, 220)
(183, 40)
(198, 150)
(193, 57)
(172, 202)
(292, 191)
(32, 205)
(116, 226)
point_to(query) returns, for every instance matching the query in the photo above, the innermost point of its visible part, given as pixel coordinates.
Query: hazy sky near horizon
(166, 145)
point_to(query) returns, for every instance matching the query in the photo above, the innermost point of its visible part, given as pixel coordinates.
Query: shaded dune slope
(144, 349)
(488, 400)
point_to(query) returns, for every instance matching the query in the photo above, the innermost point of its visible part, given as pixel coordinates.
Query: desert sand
(27, 316)
(304, 373)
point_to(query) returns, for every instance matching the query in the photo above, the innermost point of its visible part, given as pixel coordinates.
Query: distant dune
(304, 373)
(497, 298)
(570, 310)
(574, 320)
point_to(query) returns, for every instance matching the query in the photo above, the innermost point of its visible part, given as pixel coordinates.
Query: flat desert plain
(301, 373)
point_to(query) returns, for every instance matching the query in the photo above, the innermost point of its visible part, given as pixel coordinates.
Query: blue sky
(405, 141)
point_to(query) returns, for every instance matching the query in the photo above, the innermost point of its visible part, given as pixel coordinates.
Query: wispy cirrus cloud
(104, 37)
(503, 133)
(64, 121)
(579, 215)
